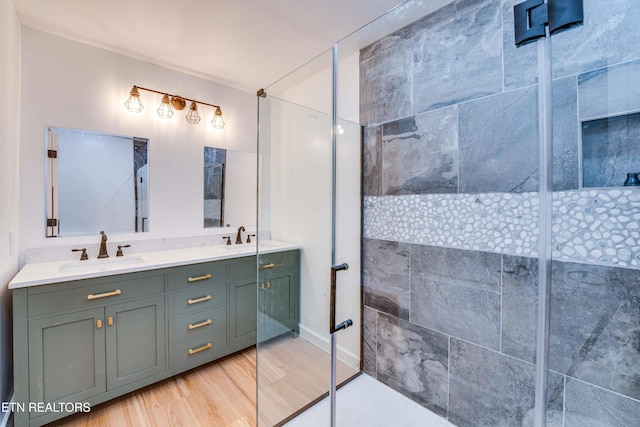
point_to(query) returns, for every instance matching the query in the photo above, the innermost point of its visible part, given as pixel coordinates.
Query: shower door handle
(332, 314)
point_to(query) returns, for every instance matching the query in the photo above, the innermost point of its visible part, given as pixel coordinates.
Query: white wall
(72, 85)
(9, 151)
(298, 139)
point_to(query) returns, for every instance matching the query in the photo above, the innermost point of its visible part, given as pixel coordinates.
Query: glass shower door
(295, 210)
(594, 351)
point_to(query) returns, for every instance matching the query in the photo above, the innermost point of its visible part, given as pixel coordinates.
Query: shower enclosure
(482, 195)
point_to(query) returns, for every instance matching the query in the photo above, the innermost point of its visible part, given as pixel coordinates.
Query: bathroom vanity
(89, 331)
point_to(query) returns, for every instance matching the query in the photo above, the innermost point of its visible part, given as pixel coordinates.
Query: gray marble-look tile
(457, 292)
(464, 6)
(610, 90)
(369, 341)
(420, 154)
(414, 361)
(439, 17)
(566, 165)
(595, 321)
(498, 141)
(385, 85)
(458, 61)
(595, 325)
(487, 388)
(519, 302)
(610, 35)
(372, 161)
(520, 63)
(610, 150)
(386, 276)
(589, 406)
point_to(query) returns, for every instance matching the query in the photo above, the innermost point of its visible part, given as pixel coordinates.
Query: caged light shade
(164, 110)
(192, 116)
(133, 103)
(217, 121)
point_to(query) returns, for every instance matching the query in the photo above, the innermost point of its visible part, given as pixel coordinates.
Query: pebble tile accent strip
(589, 226)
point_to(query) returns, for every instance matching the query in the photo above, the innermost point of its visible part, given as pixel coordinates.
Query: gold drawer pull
(195, 301)
(271, 265)
(199, 325)
(99, 324)
(110, 321)
(195, 279)
(106, 294)
(197, 350)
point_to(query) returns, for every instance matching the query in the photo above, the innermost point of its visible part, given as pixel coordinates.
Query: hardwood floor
(291, 374)
(291, 371)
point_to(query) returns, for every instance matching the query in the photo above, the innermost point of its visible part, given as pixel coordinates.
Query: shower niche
(611, 151)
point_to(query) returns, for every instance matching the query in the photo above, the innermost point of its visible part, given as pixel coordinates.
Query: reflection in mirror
(214, 171)
(96, 182)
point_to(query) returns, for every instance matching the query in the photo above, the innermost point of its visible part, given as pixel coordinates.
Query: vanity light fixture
(173, 102)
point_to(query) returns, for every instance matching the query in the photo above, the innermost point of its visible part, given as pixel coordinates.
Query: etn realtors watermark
(46, 407)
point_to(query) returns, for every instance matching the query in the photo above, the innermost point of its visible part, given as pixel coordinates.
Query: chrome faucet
(103, 246)
(239, 235)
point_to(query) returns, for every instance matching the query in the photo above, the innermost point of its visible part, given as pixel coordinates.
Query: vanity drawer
(198, 274)
(196, 324)
(197, 299)
(93, 294)
(198, 349)
(277, 262)
(242, 267)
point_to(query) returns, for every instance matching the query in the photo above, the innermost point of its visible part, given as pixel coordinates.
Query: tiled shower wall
(451, 211)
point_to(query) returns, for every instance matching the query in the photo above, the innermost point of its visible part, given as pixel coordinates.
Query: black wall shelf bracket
(531, 17)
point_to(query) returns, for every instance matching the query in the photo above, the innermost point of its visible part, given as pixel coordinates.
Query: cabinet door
(278, 308)
(67, 357)
(242, 312)
(280, 304)
(135, 340)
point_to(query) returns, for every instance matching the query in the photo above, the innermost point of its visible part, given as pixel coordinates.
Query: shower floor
(367, 402)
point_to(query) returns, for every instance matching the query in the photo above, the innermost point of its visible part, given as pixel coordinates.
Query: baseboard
(323, 343)
(6, 416)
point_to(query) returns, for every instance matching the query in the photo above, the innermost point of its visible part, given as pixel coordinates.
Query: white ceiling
(245, 44)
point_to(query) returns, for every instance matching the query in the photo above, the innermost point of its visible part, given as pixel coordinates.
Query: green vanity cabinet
(86, 339)
(95, 339)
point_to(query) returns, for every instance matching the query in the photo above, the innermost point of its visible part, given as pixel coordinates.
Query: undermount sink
(241, 247)
(98, 264)
(247, 246)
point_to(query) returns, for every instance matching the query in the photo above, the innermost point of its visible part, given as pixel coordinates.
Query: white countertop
(42, 273)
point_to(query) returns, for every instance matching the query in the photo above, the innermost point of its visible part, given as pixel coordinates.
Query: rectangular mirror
(214, 179)
(96, 182)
